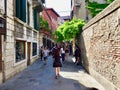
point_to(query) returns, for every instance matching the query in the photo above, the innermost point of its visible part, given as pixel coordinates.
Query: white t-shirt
(45, 53)
(62, 51)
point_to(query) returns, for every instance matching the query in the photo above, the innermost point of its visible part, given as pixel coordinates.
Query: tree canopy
(68, 30)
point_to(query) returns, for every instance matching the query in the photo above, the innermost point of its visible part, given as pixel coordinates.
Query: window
(35, 19)
(20, 50)
(21, 10)
(34, 46)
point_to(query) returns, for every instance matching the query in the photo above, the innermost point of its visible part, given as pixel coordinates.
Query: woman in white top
(62, 50)
(45, 54)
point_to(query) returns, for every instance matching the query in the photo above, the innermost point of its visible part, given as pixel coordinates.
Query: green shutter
(43, 1)
(23, 10)
(35, 18)
(18, 8)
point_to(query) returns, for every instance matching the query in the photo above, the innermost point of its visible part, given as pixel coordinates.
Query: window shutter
(35, 18)
(43, 1)
(23, 10)
(18, 8)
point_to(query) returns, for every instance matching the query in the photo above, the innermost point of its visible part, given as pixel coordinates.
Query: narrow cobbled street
(42, 77)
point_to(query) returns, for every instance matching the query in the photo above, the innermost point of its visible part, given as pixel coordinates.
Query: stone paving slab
(42, 77)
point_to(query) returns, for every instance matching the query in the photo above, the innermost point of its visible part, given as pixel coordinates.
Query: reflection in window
(34, 49)
(20, 50)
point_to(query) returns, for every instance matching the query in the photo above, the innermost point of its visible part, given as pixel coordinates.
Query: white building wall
(13, 25)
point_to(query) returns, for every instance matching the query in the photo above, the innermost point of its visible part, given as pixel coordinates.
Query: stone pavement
(42, 77)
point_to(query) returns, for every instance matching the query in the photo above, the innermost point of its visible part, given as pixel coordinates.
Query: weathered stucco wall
(100, 46)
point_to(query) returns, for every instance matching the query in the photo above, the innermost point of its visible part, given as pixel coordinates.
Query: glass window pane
(20, 50)
(34, 49)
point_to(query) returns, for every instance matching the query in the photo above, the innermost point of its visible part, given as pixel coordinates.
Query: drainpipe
(5, 8)
(3, 63)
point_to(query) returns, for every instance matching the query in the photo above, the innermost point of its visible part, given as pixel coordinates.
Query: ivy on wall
(95, 7)
(44, 24)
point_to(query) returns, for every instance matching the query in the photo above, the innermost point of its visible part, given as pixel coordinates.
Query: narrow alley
(42, 77)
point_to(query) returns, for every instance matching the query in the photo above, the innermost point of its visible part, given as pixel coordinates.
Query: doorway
(28, 52)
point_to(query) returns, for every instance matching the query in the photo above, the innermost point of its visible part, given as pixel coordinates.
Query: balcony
(37, 4)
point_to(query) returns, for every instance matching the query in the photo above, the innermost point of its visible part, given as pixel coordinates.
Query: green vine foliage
(109, 1)
(95, 7)
(69, 30)
(43, 24)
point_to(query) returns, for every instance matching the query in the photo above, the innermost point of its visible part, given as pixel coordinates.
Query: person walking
(56, 61)
(67, 53)
(45, 55)
(41, 53)
(77, 55)
(62, 51)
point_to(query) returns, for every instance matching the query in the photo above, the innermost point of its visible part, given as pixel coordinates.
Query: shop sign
(2, 26)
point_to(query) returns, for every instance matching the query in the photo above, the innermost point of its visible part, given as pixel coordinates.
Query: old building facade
(80, 11)
(51, 16)
(19, 44)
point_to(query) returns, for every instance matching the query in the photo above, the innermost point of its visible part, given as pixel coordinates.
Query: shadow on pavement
(42, 77)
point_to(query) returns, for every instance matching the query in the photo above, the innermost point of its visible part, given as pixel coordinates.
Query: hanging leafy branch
(95, 7)
(109, 1)
(44, 24)
(68, 30)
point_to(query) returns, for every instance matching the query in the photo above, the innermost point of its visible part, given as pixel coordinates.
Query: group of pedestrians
(60, 54)
(44, 52)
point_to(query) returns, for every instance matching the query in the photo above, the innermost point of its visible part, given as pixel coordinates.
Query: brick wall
(100, 46)
(51, 16)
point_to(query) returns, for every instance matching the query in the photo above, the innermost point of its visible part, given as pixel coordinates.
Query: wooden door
(28, 52)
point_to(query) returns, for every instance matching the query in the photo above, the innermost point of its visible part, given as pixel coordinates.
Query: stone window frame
(34, 49)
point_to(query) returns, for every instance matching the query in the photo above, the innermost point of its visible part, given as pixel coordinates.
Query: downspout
(5, 15)
(3, 63)
(5, 8)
